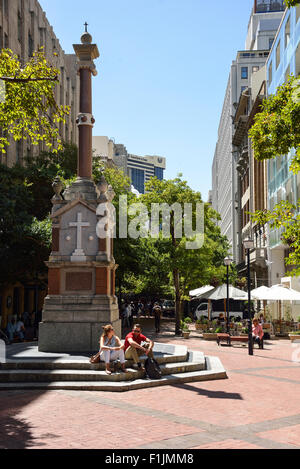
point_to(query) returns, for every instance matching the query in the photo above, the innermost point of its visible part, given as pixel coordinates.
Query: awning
(201, 291)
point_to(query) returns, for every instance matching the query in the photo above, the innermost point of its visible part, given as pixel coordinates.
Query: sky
(162, 73)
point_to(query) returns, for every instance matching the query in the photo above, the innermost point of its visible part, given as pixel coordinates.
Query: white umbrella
(275, 293)
(261, 293)
(201, 291)
(220, 293)
(283, 293)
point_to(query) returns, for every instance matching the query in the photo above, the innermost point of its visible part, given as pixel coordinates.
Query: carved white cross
(79, 225)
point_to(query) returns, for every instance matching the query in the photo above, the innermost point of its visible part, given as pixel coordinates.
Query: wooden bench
(223, 338)
(239, 338)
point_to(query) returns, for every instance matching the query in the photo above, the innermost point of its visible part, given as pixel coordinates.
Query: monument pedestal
(81, 281)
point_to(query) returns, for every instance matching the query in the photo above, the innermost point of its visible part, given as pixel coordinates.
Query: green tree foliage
(277, 132)
(24, 241)
(29, 109)
(291, 3)
(188, 268)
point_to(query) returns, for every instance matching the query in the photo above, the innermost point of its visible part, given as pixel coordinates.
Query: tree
(24, 241)
(189, 268)
(291, 3)
(276, 132)
(28, 109)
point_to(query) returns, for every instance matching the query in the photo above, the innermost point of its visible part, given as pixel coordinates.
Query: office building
(284, 60)
(24, 28)
(226, 198)
(139, 169)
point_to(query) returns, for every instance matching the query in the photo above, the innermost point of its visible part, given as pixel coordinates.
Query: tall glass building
(284, 60)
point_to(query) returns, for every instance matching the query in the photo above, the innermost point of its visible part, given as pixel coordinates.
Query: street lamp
(248, 245)
(227, 262)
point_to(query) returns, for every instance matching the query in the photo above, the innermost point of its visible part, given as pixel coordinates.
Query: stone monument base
(59, 337)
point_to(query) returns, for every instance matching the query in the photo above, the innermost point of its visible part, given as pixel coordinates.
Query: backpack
(152, 369)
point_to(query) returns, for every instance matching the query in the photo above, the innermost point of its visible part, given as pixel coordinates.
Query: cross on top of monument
(86, 25)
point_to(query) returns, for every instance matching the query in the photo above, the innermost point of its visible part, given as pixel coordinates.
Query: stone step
(214, 370)
(31, 359)
(57, 375)
(63, 364)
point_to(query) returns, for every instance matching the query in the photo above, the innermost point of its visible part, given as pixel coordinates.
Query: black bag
(153, 369)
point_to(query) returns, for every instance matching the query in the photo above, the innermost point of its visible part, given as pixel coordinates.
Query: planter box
(199, 327)
(186, 335)
(210, 336)
(294, 337)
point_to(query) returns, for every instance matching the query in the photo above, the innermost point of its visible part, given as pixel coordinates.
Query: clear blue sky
(163, 71)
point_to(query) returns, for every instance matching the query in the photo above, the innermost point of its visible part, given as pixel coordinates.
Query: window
(278, 55)
(255, 68)
(287, 73)
(6, 8)
(298, 60)
(19, 26)
(244, 73)
(297, 13)
(18, 150)
(159, 173)
(138, 180)
(30, 45)
(271, 40)
(287, 32)
(270, 73)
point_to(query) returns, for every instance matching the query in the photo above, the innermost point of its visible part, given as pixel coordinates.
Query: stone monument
(81, 280)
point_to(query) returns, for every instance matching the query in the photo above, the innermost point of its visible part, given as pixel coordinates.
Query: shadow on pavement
(210, 394)
(15, 432)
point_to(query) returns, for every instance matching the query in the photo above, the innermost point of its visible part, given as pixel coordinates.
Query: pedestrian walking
(157, 316)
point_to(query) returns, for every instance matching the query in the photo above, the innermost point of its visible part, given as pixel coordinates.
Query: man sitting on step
(133, 348)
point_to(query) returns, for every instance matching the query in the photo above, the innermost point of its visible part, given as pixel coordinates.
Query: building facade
(24, 28)
(284, 60)
(226, 192)
(139, 169)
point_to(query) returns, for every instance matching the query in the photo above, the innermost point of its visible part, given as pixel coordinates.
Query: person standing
(157, 316)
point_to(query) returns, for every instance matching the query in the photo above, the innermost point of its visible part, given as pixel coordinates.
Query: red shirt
(138, 339)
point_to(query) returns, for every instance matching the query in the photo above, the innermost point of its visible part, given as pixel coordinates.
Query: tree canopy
(28, 109)
(276, 132)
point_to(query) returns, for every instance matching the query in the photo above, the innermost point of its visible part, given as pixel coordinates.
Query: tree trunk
(177, 302)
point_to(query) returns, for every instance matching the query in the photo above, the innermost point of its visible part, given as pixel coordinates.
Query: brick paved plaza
(256, 408)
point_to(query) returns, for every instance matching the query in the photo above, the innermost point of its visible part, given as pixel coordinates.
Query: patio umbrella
(201, 291)
(220, 293)
(261, 293)
(276, 293)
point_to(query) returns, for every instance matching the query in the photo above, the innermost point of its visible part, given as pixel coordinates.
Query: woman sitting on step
(111, 348)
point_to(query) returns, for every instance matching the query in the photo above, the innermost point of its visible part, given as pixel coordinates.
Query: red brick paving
(288, 435)
(229, 444)
(79, 420)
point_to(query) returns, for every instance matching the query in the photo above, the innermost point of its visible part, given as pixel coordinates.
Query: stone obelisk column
(81, 281)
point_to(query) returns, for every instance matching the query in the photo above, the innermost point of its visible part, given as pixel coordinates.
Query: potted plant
(185, 327)
(294, 336)
(211, 334)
